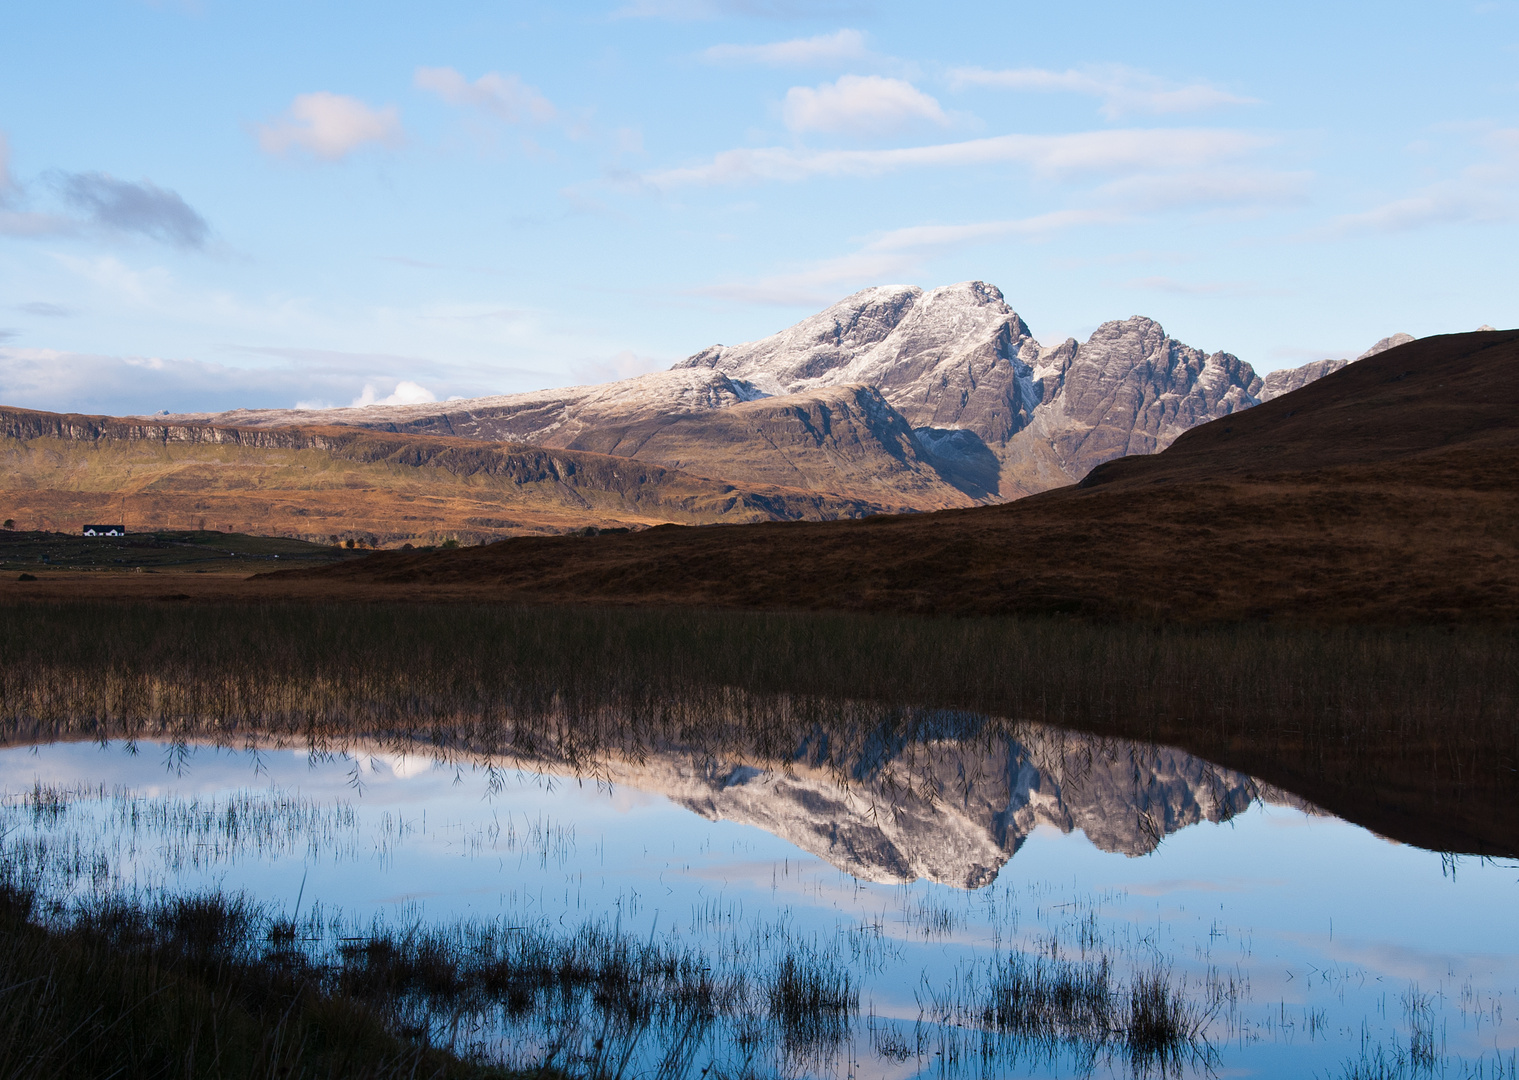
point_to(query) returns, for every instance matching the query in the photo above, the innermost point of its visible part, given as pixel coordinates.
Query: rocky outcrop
(1286, 380)
(1387, 343)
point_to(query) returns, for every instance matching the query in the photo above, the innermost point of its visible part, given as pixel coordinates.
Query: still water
(1289, 942)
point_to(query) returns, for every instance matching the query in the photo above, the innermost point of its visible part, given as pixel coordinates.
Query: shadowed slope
(1384, 492)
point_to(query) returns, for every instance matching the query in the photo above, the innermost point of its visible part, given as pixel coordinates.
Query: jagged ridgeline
(894, 399)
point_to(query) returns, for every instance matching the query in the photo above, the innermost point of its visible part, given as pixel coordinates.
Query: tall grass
(1412, 731)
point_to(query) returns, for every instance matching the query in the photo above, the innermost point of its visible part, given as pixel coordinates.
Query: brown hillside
(62, 471)
(1388, 491)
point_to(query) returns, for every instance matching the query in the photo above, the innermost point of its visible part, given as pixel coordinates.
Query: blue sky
(207, 205)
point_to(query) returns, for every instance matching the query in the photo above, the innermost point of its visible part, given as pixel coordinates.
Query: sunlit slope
(1387, 491)
(61, 472)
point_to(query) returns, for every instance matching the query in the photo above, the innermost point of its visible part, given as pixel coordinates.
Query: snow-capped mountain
(926, 399)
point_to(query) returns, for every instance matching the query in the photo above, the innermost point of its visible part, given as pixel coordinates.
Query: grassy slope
(1383, 493)
(62, 472)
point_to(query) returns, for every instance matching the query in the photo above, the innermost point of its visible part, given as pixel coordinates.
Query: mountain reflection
(952, 811)
(886, 794)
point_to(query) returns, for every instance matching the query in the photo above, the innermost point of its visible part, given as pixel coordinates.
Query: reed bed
(1412, 731)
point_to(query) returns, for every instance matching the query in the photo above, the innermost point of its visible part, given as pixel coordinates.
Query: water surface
(1299, 944)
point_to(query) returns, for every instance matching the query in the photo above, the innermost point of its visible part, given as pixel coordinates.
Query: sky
(208, 205)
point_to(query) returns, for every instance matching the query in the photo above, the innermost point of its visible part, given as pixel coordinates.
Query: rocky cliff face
(924, 399)
(1287, 380)
(945, 359)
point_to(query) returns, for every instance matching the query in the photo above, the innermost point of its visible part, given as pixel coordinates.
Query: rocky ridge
(930, 399)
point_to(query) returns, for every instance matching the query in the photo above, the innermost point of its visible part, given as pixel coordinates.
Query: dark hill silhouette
(1386, 492)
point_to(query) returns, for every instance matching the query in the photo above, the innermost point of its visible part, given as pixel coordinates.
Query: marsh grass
(595, 1001)
(1018, 1005)
(755, 998)
(1410, 730)
(165, 992)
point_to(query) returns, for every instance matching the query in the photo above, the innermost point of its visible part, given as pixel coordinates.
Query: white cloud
(330, 126)
(798, 52)
(1123, 90)
(1053, 156)
(503, 96)
(62, 381)
(859, 103)
(405, 393)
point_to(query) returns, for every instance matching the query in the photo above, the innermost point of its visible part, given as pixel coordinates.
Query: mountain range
(905, 398)
(1382, 492)
(894, 399)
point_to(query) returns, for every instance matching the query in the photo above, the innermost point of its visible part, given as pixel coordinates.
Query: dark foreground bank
(170, 989)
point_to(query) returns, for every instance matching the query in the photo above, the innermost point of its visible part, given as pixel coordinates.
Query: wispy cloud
(841, 45)
(134, 207)
(506, 97)
(1204, 288)
(96, 202)
(15, 221)
(893, 255)
(63, 381)
(1053, 156)
(330, 127)
(818, 284)
(1124, 91)
(1200, 189)
(622, 365)
(1436, 207)
(45, 310)
(7, 182)
(925, 237)
(686, 10)
(865, 104)
(1483, 191)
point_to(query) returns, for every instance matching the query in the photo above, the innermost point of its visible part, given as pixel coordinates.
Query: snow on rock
(991, 414)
